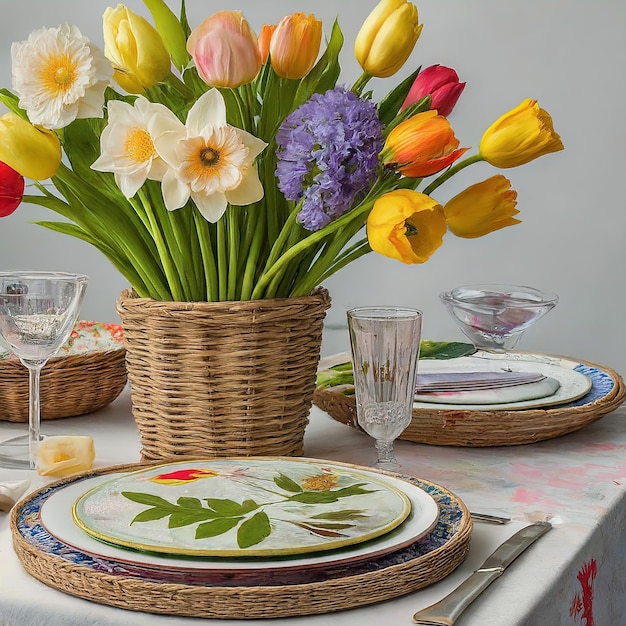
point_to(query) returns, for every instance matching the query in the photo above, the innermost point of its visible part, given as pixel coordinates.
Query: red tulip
(439, 82)
(11, 189)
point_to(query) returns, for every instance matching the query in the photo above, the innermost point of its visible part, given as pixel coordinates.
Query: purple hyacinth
(327, 153)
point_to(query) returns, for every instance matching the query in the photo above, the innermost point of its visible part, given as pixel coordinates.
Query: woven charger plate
(118, 584)
(475, 428)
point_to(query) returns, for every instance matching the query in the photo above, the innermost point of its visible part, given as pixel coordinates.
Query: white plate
(56, 517)
(573, 384)
(508, 394)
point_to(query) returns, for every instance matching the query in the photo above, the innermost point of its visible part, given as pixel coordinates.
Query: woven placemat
(104, 581)
(475, 428)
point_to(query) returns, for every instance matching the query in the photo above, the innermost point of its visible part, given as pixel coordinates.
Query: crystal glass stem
(386, 457)
(34, 408)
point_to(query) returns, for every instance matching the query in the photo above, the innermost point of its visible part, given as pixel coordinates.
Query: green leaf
(389, 106)
(224, 507)
(332, 378)
(254, 530)
(341, 515)
(286, 483)
(216, 527)
(315, 497)
(352, 490)
(189, 503)
(149, 499)
(186, 517)
(445, 349)
(10, 101)
(171, 31)
(248, 505)
(150, 515)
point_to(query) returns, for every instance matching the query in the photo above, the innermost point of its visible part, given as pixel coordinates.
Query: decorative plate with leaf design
(241, 508)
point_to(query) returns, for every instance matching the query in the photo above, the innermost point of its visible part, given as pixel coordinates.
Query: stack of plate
(247, 537)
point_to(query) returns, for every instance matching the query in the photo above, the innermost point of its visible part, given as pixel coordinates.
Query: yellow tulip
(295, 44)
(135, 48)
(520, 136)
(406, 225)
(482, 208)
(387, 37)
(33, 151)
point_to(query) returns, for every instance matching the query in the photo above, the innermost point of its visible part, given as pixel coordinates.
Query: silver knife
(447, 610)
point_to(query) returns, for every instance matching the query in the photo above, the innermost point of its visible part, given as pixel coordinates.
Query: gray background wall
(568, 54)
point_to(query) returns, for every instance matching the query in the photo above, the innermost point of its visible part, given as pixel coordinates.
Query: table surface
(572, 576)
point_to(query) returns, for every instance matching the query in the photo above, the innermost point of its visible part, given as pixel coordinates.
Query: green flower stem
(173, 81)
(282, 239)
(355, 252)
(457, 167)
(208, 256)
(222, 260)
(176, 242)
(360, 83)
(171, 275)
(283, 262)
(233, 246)
(254, 252)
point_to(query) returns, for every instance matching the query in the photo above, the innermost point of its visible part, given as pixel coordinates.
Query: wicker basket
(70, 385)
(222, 378)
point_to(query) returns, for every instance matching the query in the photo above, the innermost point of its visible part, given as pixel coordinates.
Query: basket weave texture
(222, 378)
(70, 385)
(472, 428)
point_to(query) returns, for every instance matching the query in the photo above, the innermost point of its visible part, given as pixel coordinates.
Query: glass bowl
(493, 316)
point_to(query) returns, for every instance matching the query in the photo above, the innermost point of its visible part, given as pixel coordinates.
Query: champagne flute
(37, 313)
(385, 344)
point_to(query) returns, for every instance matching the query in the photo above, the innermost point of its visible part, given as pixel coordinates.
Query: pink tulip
(11, 189)
(225, 50)
(439, 82)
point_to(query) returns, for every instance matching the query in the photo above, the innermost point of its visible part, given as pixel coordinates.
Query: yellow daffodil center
(139, 146)
(59, 74)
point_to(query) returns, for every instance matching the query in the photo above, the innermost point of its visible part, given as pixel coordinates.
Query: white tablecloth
(572, 576)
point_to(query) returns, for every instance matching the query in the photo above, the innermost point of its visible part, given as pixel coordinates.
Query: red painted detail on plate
(180, 477)
(582, 604)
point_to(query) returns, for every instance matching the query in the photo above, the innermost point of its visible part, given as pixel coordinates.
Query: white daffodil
(59, 76)
(210, 161)
(127, 143)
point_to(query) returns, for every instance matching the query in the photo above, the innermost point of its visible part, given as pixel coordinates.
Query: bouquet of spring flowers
(212, 164)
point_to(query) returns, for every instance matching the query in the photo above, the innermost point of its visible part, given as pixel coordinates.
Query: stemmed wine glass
(37, 313)
(385, 344)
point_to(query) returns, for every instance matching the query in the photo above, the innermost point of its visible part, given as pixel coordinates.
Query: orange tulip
(422, 145)
(406, 225)
(265, 36)
(482, 208)
(295, 45)
(225, 50)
